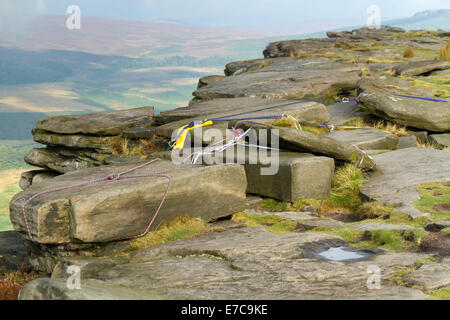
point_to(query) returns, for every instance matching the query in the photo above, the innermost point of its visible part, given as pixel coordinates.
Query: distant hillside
(431, 19)
(124, 37)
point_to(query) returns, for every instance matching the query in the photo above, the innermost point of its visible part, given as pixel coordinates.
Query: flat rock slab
(124, 208)
(366, 139)
(322, 223)
(417, 68)
(202, 110)
(238, 264)
(342, 113)
(399, 171)
(97, 124)
(56, 289)
(431, 276)
(308, 111)
(442, 140)
(381, 100)
(408, 142)
(99, 144)
(288, 215)
(295, 79)
(371, 226)
(48, 158)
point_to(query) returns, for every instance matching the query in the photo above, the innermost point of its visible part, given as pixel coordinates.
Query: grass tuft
(180, 228)
(444, 53)
(347, 181)
(382, 125)
(408, 53)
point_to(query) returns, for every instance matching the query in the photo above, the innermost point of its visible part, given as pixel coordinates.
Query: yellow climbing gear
(178, 141)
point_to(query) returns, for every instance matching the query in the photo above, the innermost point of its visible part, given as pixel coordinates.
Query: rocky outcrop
(89, 225)
(81, 141)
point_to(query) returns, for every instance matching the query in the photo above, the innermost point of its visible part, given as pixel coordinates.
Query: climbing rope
(178, 141)
(104, 180)
(420, 98)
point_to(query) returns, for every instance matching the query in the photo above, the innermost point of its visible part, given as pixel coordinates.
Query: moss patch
(348, 234)
(179, 228)
(432, 195)
(273, 224)
(441, 294)
(274, 205)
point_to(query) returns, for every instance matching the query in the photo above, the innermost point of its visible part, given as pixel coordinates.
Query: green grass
(347, 181)
(5, 197)
(439, 84)
(394, 239)
(274, 224)
(348, 234)
(12, 153)
(432, 194)
(274, 205)
(440, 294)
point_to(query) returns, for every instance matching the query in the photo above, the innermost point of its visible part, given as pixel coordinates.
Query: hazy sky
(268, 16)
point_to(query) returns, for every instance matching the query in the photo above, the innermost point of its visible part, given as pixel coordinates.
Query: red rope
(104, 180)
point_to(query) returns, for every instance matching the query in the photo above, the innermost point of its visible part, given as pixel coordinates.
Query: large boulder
(398, 172)
(381, 100)
(102, 212)
(98, 124)
(286, 176)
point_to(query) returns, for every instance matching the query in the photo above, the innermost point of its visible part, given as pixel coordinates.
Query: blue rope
(420, 98)
(249, 118)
